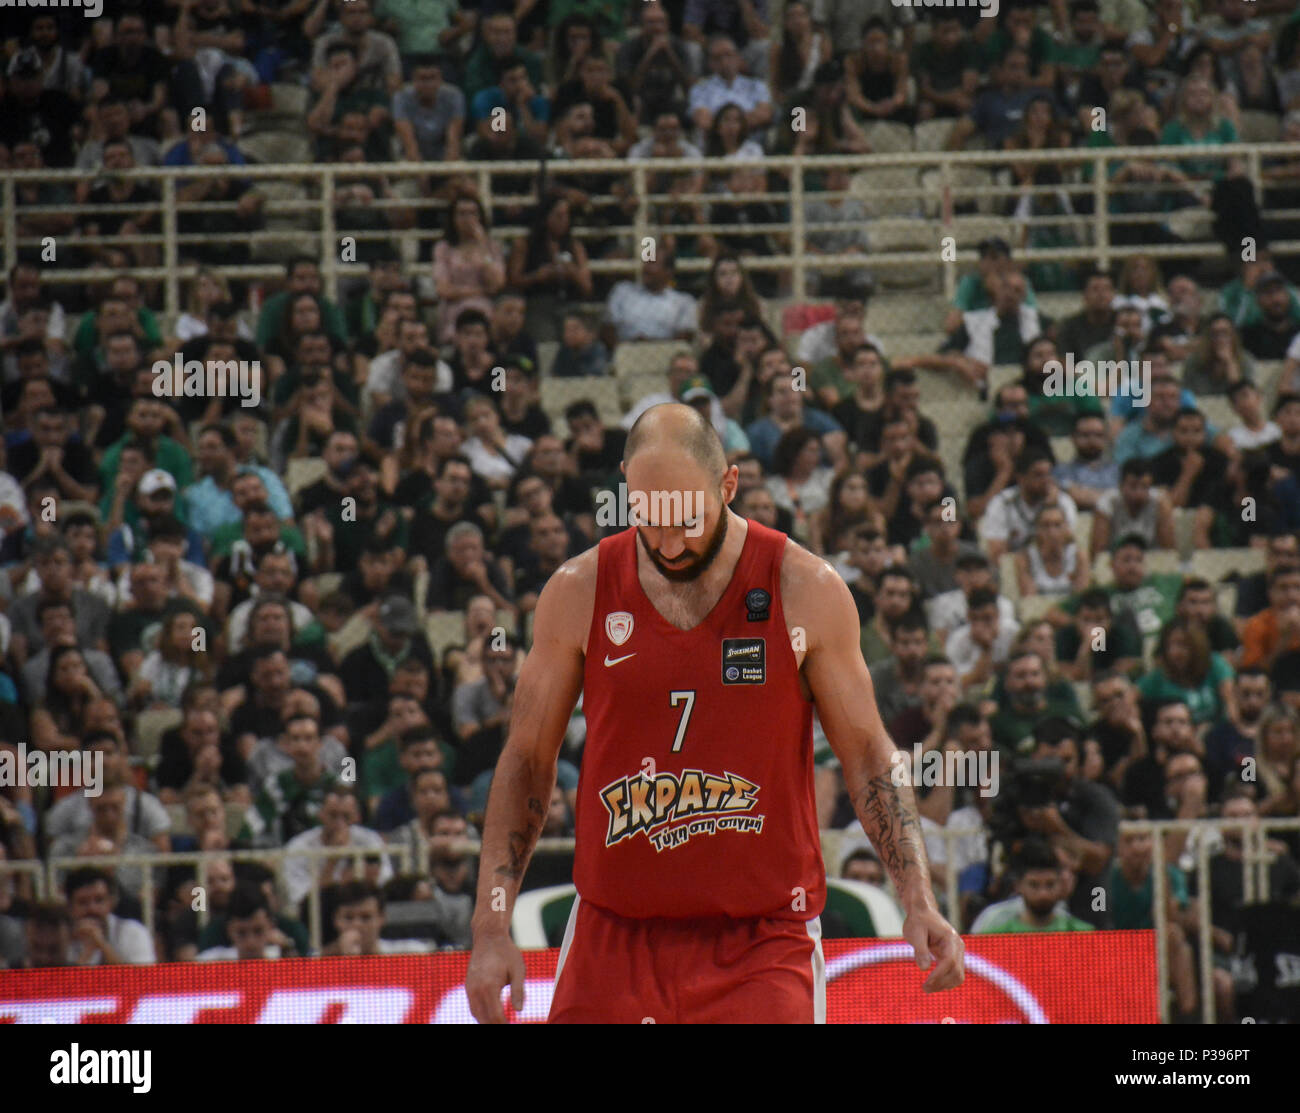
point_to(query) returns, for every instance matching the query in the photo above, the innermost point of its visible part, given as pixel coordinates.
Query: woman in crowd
(468, 266)
(1141, 288)
(800, 483)
(550, 266)
(1187, 669)
(798, 52)
(172, 666)
(1051, 564)
(876, 77)
(727, 283)
(1217, 359)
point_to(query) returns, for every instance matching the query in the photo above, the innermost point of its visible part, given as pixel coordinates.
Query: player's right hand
(494, 961)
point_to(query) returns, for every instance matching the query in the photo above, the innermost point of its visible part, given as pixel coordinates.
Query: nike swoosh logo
(616, 660)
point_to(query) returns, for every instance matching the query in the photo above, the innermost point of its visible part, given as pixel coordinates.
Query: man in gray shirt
(429, 115)
(482, 705)
(935, 566)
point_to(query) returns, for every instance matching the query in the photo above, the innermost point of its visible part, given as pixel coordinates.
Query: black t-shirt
(1208, 486)
(110, 223)
(363, 676)
(661, 88)
(570, 496)
(448, 591)
(532, 425)
(530, 577)
(266, 722)
(1144, 785)
(236, 668)
(354, 587)
(1115, 741)
(317, 495)
(428, 536)
(718, 365)
(1266, 343)
(47, 121)
(134, 79)
(1279, 457)
(176, 766)
(77, 462)
(606, 115)
(599, 465)
(869, 424)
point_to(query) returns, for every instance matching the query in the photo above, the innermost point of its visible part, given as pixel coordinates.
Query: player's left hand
(933, 938)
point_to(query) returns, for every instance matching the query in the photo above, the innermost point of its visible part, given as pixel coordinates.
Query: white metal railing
(1255, 879)
(277, 858)
(1256, 861)
(934, 209)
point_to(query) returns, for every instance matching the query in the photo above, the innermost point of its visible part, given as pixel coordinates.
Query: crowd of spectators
(164, 556)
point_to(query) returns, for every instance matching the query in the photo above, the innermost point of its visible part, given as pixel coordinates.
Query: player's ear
(730, 484)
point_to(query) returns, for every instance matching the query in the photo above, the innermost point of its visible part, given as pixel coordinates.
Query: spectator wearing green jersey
(975, 291)
(1187, 669)
(1151, 598)
(1040, 882)
(289, 802)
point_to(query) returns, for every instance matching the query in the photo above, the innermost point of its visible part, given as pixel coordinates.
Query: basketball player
(701, 645)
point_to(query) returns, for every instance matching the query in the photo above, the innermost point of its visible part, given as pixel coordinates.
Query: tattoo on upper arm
(519, 844)
(889, 817)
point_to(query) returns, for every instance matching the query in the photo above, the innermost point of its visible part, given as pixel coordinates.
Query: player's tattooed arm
(520, 843)
(818, 604)
(889, 817)
(550, 680)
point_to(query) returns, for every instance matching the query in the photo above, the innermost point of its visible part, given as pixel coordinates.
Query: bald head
(677, 429)
(678, 488)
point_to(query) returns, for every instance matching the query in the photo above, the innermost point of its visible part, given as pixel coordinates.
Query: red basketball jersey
(696, 793)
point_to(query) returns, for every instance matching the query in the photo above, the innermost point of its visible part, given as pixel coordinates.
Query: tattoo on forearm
(519, 844)
(889, 817)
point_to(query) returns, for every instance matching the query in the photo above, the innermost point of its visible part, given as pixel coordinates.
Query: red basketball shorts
(613, 970)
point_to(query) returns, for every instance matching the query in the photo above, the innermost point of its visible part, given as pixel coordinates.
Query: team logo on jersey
(757, 603)
(704, 803)
(618, 627)
(744, 660)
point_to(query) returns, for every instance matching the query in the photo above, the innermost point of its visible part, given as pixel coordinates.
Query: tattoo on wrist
(519, 844)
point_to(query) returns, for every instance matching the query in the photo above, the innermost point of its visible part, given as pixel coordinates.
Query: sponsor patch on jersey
(744, 660)
(618, 626)
(758, 603)
(670, 809)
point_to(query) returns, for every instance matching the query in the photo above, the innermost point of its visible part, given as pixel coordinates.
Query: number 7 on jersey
(688, 698)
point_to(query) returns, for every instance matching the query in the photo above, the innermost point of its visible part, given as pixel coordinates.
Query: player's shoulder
(566, 603)
(807, 578)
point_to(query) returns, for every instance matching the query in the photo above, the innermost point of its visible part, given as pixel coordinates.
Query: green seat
(555, 918)
(855, 915)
